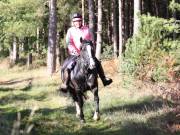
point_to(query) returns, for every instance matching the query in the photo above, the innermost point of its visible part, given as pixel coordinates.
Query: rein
(85, 58)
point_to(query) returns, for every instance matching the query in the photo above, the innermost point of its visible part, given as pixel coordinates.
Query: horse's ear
(81, 39)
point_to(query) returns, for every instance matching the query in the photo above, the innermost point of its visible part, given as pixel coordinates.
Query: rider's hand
(74, 52)
(92, 63)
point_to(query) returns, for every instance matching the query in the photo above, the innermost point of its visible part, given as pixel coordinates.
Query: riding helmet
(76, 17)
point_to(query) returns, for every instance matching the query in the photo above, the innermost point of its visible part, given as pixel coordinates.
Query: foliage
(20, 19)
(174, 6)
(107, 51)
(65, 10)
(153, 52)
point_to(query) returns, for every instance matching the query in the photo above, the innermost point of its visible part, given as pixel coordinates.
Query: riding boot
(105, 80)
(64, 85)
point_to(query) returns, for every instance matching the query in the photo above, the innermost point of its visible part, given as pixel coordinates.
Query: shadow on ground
(62, 121)
(149, 103)
(15, 81)
(22, 97)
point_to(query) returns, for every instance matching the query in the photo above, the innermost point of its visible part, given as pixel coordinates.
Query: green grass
(29, 102)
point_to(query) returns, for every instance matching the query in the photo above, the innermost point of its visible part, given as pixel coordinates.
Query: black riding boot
(67, 71)
(64, 85)
(106, 81)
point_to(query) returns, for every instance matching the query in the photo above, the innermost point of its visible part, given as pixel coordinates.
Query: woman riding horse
(73, 43)
(83, 78)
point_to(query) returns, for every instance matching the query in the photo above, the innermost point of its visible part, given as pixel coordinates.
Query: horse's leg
(77, 109)
(74, 96)
(79, 106)
(96, 99)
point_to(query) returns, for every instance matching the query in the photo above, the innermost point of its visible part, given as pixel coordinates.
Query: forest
(137, 42)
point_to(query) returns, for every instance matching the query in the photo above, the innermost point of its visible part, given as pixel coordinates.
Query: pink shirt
(73, 39)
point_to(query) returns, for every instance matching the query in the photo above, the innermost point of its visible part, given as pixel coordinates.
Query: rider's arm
(70, 44)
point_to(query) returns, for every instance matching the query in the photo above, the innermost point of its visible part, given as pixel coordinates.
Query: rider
(73, 44)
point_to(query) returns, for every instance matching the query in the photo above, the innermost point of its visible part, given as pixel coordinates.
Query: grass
(30, 104)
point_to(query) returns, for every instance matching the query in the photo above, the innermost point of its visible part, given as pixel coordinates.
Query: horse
(82, 78)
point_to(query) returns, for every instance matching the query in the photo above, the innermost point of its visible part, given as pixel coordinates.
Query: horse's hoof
(62, 90)
(82, 121)
(96, 116)
(77, 115)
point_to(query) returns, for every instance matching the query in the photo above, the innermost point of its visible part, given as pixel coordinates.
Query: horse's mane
(82, 61)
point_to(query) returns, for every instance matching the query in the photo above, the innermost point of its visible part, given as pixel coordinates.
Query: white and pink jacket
(73, 39)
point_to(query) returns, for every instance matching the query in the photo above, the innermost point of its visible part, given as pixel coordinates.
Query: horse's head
(87, 53)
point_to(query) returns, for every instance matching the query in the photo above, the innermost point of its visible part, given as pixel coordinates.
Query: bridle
(85, 56)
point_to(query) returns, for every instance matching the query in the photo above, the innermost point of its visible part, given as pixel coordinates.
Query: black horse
(82, 78)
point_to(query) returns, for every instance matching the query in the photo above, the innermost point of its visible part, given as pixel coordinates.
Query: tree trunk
(142, 6)
(131, 18)
(156, 8)
(99, 30)
(63, 53)
(14, 51)
(51, 54)
(109, 24)
(29, 59)
(91, 6)
(37, 41)
(150, 7)
(136, 19)
(127, 16)
(167, 9)
(174, 14)
(83, 11)
(58, 51)
(120, 29)
(115, 35)
(123, 19)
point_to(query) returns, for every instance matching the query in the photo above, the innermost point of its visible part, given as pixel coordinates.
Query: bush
(147, 53)
(107, 51)
(4, 53)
